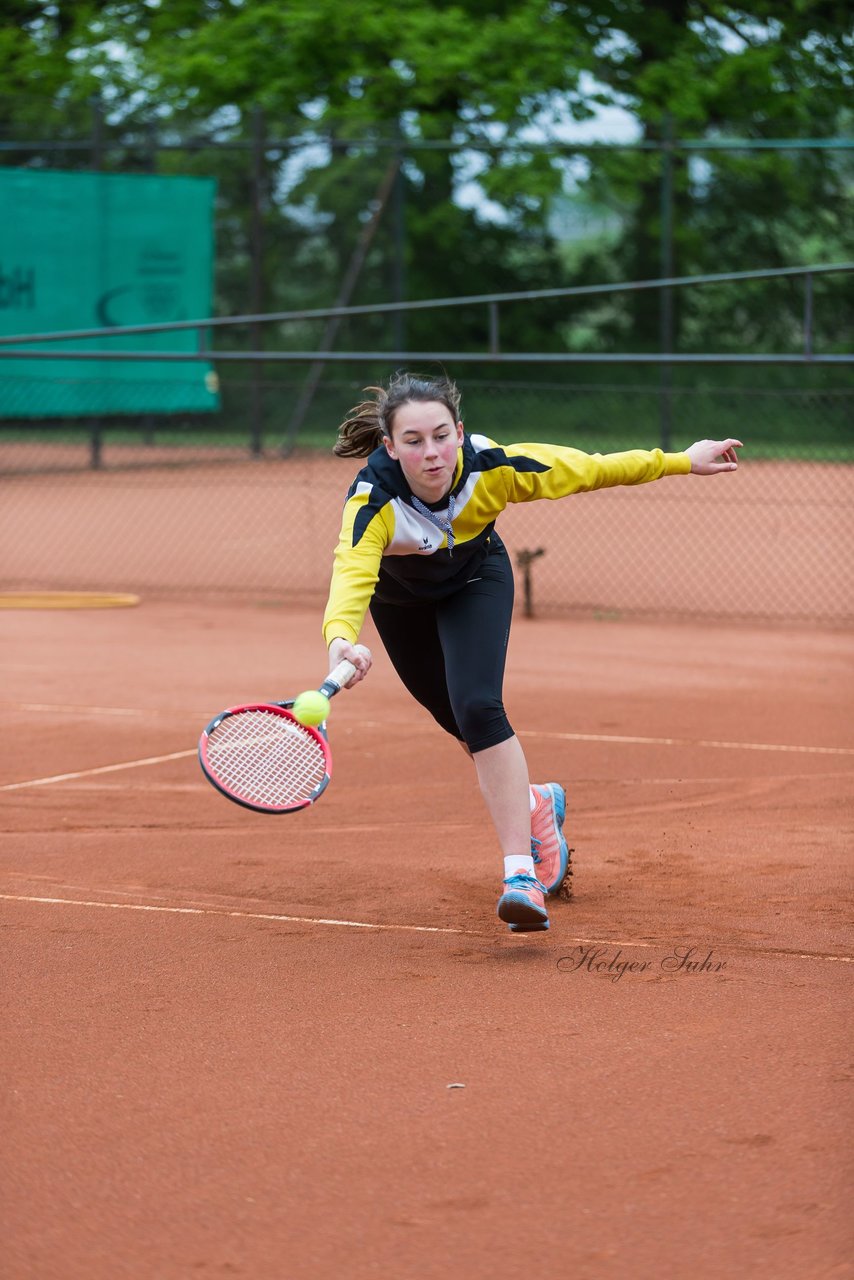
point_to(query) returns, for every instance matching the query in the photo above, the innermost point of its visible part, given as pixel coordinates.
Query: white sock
(517, 862)
(532, 797)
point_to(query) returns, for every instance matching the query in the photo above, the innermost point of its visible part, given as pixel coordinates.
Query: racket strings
(266, 758)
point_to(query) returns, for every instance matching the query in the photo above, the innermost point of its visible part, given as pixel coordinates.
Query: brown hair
(363, 429)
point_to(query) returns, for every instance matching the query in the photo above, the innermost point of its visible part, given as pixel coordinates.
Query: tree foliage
(468, 92)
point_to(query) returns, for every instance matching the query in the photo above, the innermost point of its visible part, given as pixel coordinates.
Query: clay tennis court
(305, 1046)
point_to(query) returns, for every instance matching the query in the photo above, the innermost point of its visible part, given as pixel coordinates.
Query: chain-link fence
(206, 504)
(246, 496)
(305, 217)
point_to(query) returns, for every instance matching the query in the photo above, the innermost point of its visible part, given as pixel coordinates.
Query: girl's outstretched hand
(358, 654)
(704, 456)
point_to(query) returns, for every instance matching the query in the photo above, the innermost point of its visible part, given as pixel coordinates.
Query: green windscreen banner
(100, 250)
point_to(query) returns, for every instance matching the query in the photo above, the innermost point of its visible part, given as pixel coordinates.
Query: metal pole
(665, 295)
(399, 262)
(808, 315)
(348, 284)
(428, 304)
(494, 346)
(256, 389)
(438, 357)
(97, 143)
(95, 443)
(524, 559)
(96, 163)
(150, 160)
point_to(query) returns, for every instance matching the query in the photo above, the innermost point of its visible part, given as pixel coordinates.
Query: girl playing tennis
(418, 547)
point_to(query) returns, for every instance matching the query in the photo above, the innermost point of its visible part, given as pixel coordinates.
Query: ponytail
(362, 430)
(367, 423)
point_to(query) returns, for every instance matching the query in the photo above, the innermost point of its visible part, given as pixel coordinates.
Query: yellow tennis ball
(311, 707)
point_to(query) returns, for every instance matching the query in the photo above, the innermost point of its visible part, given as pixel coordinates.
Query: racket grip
(337, 678)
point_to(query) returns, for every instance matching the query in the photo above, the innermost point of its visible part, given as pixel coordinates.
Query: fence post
(665, 302)
(524, 559)
(256, 390)
(150, 165)
(399, 234)
(95, 442)
(96, 434)
(97, 157)
(493, 329)
(808, 314)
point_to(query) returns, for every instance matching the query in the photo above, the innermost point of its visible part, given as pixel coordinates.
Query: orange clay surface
(229, 1039)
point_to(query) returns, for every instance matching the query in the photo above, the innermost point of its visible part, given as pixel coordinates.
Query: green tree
(711, 70)
(344, 83)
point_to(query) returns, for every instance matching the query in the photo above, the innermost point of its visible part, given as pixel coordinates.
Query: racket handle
(337, 678)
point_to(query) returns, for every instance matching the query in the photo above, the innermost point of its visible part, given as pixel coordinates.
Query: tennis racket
(260, 756)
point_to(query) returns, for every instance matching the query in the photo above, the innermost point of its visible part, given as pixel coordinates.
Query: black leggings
(450, 653)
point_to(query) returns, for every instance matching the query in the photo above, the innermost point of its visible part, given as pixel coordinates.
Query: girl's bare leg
(502, 772)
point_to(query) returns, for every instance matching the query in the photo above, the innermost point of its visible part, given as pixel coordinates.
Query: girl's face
(424, 440)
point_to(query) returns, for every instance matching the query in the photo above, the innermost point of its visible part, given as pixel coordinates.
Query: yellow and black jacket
(388, 548)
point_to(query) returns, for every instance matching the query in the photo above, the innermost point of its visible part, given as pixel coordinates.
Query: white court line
(687, 742)
(243, 915)
(65, 706)
(406, 928)
(522, 733)
(629, 739)
(104, 768)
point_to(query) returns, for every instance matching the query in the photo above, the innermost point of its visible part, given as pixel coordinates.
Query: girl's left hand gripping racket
(260, 756)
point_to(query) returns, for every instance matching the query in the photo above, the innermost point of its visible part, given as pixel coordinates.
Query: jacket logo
(425, 544)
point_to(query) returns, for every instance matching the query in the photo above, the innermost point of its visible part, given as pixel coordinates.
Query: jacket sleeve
(554, 471)
(366, 530)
